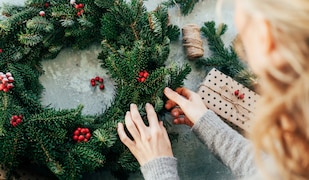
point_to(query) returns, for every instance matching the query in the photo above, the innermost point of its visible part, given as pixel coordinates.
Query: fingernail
(167, 89)
(148, 105)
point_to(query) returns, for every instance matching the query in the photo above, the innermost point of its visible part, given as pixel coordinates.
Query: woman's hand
(150, 141)
(187, 106)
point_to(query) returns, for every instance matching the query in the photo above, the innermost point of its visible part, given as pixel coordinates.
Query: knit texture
(162, 168)
(232, 148)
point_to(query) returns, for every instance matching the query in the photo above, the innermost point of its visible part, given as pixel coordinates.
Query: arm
(232, 148)
(163, 168)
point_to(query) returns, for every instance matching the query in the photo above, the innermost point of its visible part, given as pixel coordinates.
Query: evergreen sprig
(186, 6)
(224, 58)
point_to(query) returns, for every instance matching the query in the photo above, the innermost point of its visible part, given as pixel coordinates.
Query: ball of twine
(192, 41)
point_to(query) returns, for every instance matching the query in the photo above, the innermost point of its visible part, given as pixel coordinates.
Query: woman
(275, 34)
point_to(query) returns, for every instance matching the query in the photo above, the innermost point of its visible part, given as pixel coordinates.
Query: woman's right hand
(186, 106)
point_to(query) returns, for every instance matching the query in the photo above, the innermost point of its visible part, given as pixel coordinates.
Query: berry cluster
(80, 9)
(6, 81)
(142, 76)
(97, 81)
(240, 96)
(81, 135)
(16, 119)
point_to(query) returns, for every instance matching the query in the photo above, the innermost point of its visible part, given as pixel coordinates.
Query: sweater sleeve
(232, 148)
(162, 168)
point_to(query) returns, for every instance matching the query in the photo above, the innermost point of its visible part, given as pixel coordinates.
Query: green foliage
(135, 40)
(132, 40)
(224, 58)
(186, 6)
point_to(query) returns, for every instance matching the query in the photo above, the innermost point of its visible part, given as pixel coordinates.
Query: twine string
(234, 100)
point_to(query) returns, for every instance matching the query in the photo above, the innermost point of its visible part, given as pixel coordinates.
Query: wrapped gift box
(228, 98)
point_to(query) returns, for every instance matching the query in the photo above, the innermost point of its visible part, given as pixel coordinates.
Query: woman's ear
(267, 40)
(268, 43)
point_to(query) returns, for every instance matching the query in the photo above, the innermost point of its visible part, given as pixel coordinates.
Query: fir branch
(127, 161)
(108, 139)
(13, 146)
(106, 4)
(186, 6)
(39, 24)
(223, 58)
(30, 39)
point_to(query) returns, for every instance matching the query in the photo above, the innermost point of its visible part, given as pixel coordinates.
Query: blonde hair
(281, 128)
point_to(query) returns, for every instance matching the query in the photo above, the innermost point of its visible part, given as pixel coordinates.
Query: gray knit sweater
(234, 150)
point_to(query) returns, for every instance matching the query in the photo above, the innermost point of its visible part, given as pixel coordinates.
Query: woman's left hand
(150, 141)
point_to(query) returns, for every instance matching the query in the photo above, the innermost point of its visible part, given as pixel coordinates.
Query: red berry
(97, 78)
(10, 86)
(236, 92)
(20, 116)
(102, 86)
(2, 86)
(15, 117)
(5, 80)
(14, 124)
(1, 50)
(78, 14)
(18, 120)
(88, 135)
(79, 129)
(146, 74)
(81, 11)
(81, 138)
(85, 140)
(76, 132)
(92, 80)
(143, 79)
(11, 79)
(101, 80)
(8, 74)
(42, 13)
(83, 130)
(76, 6)
(242, 96)
(141, 74)
(92, 83)
(5, 89)
(80, 5)
(46, 4)
(75, 137)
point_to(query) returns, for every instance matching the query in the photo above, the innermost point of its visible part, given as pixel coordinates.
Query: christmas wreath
(135, 46)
